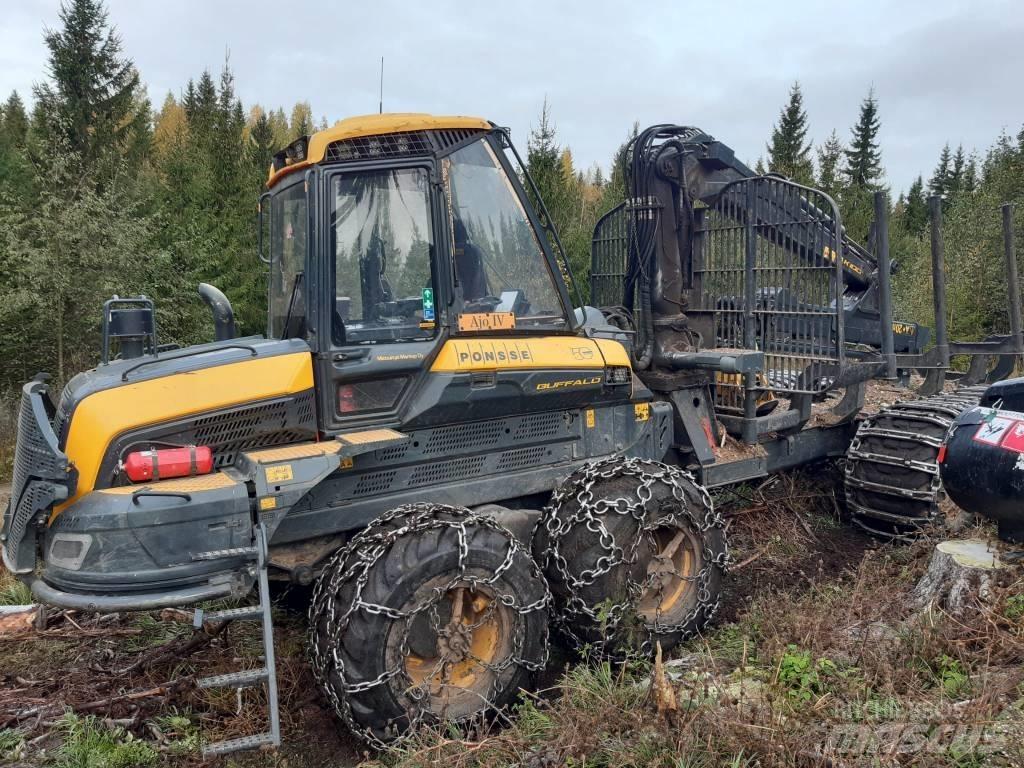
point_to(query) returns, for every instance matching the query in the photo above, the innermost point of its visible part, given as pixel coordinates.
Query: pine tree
(970, 182)
(916, 207)
(759, 167)
(171, 128)
(302, 120)
(789, 152)
(15, 169)
(90, 97)
(956, 174)
(279, 125)
(542, 160)
(863, 157)
(939, 182)
(15, 120)
(615, 185)
(261, 136)
(830, 154)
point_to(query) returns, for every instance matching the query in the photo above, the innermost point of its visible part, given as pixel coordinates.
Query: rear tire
(431, 614)
(634, 554)
(892, 483)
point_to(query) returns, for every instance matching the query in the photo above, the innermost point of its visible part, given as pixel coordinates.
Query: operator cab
(405, 224)
(388, 235)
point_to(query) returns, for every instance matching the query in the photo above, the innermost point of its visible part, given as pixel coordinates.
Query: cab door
(382, 324)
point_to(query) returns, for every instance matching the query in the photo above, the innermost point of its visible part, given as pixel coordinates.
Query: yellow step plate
(179, 485)
(372, 436)
(292, 452)
(355, 443)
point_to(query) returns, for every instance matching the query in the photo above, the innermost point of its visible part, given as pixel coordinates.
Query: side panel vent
(523, 457)
(395, 453)
(375, 482)
(480, 434)
(443, 471)
(540, 425)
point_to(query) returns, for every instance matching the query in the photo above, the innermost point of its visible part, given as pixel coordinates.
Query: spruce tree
(542, 160)
(939, 182)
(956, 174)
(970, 181)
(261, 136)
(863, 157)
(789, 152)
(302, 120)
(916, 207)
(15, 119)
(90, 98)
(830, 155)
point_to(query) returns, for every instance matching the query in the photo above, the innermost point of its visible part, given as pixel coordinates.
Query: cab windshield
(499, 264)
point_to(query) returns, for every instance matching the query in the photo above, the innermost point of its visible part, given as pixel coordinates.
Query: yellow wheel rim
(672, 572)
(469, 641)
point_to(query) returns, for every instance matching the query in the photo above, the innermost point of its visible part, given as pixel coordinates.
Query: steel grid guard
(768, 261)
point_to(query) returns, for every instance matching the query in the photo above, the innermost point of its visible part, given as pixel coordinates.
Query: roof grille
(404, 144)
(407, 144)
(449, 138)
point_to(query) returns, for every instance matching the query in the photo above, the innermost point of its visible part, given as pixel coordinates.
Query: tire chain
(579, 487)
(940, 410)
(354, 563)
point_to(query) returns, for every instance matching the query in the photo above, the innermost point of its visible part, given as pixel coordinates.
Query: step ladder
(267, 674)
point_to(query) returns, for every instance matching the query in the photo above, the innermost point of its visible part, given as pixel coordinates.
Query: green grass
(88, 744)
(13, 591)
(154, 631)
(802, 676)
(1015, 608)
(952, 676)
(181, 732)
(12, 744)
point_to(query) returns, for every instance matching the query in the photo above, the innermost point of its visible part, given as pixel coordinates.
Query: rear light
(165, 463)
(617, 376)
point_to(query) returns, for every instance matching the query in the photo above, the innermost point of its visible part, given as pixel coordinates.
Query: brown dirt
(785, 532)
(81, 658)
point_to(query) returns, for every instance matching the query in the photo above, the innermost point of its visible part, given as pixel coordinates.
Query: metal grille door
(768, 265)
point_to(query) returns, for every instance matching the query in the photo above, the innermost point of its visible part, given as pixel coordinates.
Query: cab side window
(382, 242)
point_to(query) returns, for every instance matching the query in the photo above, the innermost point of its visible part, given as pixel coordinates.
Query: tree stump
(959, 576)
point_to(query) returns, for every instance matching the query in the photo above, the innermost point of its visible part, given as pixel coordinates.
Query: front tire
(634, 554)
(431, 614)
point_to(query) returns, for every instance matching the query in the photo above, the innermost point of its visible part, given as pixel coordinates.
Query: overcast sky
(943, 70)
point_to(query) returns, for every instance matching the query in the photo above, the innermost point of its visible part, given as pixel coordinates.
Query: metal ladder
(246, 678)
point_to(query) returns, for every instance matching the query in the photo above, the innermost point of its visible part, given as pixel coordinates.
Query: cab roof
(308, 150)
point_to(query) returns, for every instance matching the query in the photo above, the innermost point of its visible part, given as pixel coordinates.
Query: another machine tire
(430, 614)
(892, 482)
(634, 553)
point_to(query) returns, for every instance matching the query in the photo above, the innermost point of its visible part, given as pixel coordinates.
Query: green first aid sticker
(428, 303)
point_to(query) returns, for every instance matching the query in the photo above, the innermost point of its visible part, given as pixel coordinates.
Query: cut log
(16, 618)
(959, 576)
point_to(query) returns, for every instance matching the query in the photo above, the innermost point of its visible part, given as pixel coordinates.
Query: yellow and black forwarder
(439, 433)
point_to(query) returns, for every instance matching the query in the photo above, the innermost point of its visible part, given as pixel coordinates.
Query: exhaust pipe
(223, 315)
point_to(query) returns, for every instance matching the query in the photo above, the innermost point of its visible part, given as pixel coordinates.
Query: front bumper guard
(221, 587)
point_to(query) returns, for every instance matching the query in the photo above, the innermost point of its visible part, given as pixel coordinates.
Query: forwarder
(439, 432)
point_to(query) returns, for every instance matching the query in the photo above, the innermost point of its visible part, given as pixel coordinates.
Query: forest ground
(817, 658)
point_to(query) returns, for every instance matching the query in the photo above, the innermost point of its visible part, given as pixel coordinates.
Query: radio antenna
(381, 104)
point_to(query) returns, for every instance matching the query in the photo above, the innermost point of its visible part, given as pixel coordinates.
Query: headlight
(617, 376)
